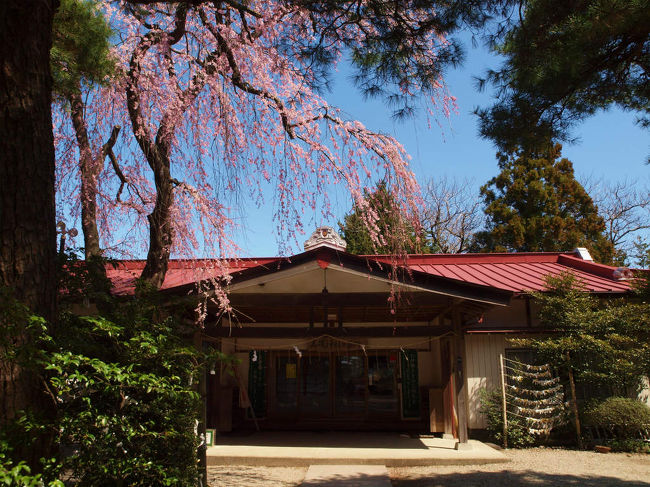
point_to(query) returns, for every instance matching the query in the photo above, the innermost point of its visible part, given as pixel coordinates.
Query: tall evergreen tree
(27, 212)
(535, 204)
(81, 60)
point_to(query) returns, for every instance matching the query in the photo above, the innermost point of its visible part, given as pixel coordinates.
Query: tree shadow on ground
(243, 476)
(347, 480)
(506, 478)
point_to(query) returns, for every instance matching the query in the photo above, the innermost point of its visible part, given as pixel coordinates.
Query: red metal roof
(515, 272)
(179, 272)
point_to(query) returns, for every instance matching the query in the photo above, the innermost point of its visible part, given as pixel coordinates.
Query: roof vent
(583, 253)
(325, 237)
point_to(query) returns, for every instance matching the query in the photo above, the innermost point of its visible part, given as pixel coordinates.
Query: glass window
(286, 383)
(350, 395)
(315, 385)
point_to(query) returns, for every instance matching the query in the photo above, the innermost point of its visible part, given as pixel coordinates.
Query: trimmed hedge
(620, 417)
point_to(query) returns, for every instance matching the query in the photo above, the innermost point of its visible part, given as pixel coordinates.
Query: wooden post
(504, 404)
(448, 386)
(574, 401)
(461, 387)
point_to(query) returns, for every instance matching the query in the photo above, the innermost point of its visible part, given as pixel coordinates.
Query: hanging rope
(534, 395)
(304, 343)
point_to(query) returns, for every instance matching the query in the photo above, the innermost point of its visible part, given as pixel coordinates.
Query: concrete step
(289, 449)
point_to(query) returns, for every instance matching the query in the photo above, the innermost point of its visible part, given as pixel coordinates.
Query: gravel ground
(535, 467)
(529, 468)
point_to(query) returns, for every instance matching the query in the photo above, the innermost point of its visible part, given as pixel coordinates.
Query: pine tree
(604, 343)
(80, 61)
(27, 210)
(565, 60)
(641, 253)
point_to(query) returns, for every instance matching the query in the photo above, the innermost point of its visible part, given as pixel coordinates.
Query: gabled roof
(510, 272)
(369, 268)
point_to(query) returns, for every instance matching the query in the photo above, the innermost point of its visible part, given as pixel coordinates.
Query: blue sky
(610, 147)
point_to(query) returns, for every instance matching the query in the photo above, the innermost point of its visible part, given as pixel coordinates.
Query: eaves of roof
(476, 274)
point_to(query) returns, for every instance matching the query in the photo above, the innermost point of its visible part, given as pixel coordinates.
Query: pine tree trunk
(27, 216)
(27, 212)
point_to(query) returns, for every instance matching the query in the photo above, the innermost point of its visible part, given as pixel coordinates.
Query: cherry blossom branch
(238, 81)
(107, 148)
(140, 129)
(243, 8)
(187, 97)
(107, 151)
(157, 36)
(237, 5)
(153, 2)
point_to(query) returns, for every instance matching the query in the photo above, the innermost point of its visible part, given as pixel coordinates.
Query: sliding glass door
(341, 386)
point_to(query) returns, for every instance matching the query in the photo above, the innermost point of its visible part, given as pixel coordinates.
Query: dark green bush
(127, 407)
(619, 417)
(124, 389)
(518, 434)
(18, 473)
(629, 446)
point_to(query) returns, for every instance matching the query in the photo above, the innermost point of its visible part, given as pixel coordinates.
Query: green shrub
(127, 407)
(18, 474)
(124, 386)
(629, 445)
(619, 417)
(518, 434)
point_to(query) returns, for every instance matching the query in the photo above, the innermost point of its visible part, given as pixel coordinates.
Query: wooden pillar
(447, 378)
(574, 401)
(459, 377)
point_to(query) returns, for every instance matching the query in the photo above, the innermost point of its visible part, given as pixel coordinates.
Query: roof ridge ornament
(325, 237)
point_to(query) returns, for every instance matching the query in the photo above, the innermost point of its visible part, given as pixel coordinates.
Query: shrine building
(334, 341)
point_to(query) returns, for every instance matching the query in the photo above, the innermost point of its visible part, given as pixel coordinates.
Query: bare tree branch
(452, 214)
(625, 208)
